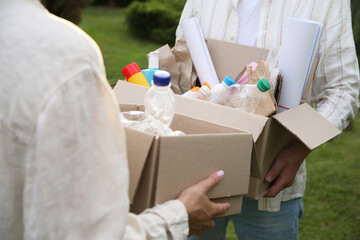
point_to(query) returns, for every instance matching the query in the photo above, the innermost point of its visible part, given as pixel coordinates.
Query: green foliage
(68, 9)
(355, 10)
(112, 3)
(154, 19)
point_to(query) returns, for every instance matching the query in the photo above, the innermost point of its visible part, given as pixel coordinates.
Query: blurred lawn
(107, 27)
(333, 183)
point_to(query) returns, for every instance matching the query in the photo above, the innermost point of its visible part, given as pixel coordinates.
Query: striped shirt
(335, 89)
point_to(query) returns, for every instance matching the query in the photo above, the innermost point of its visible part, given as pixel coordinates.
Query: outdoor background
(127, 30)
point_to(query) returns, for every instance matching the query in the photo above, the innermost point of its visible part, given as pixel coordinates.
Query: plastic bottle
(220, 93)
(188, 93)
(248, 96)
(159, 100)
(152, 67)
(133, 74)
(203, 93)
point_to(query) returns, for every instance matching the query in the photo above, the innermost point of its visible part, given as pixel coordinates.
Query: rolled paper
(199, 52)
(297, 53)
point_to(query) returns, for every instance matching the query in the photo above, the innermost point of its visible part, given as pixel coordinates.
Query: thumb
(211, 181)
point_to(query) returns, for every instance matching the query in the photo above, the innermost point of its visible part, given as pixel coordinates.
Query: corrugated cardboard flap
(137, 156)
(307, 125)
(230, 58)
(129, 93)
(218, 114)
(179, 168)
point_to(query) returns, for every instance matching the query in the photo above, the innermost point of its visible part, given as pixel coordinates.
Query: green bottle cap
(263, 85)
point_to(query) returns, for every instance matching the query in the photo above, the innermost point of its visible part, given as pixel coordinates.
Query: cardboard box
(161, 167)
(269, 135)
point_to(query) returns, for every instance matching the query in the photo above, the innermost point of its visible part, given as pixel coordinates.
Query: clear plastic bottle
(159, 100)
(220, 93)
(248, 96)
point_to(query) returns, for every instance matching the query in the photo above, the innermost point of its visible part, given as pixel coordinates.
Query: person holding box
(334, 92)
(63, 163)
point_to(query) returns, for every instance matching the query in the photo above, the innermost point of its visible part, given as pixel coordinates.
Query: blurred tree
(355, 10)
(113, 3)
(154, 19)
(68, 9)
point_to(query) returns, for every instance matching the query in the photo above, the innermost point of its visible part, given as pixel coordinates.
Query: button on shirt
(335, 88)
(63, 164)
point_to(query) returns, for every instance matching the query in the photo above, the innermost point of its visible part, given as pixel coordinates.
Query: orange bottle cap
(206, 84)
(194, 89)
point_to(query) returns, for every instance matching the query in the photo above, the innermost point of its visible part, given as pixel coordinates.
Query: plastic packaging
(247, 97)
(220, 93)
(159, 100)
(145, 123)
(152, 67)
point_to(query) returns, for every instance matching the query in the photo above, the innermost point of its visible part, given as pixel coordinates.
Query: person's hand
(200, 209)
(286, 164)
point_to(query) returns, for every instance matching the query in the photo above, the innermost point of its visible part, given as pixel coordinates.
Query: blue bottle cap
(161, 78)
(263, 85)
(229, 81)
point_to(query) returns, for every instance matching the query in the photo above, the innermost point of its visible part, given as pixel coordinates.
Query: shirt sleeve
(335, 91)
(165, 221)
(77, 181)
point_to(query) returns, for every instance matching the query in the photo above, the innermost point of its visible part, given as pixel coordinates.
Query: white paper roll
(297, 53)
(199, 52)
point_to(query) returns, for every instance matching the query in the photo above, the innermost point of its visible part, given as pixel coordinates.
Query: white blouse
(63, 163)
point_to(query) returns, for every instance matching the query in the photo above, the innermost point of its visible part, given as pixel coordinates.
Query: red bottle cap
(130, 70)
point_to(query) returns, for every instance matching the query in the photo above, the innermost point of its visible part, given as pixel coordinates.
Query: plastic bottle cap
(130, 70)
(161, 78)
(229, 81)
(208, 85)
(263, 85)
(194, 89)
(154, 60)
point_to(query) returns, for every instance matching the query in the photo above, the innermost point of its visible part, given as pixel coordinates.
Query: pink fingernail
(269, 178)
(220, 174)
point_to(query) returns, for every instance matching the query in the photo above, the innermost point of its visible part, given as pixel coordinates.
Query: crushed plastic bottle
(247, 97)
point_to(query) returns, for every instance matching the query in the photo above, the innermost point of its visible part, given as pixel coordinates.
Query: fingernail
(269, 178)
(220, 174)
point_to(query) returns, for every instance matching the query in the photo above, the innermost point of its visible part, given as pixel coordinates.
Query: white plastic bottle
(153, 66)
(159, 100)
(220, 93)
(188, 93)
(248, 96)
(203, 93)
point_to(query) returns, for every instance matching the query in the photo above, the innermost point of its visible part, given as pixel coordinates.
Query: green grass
(107, 27)
(333, 183)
